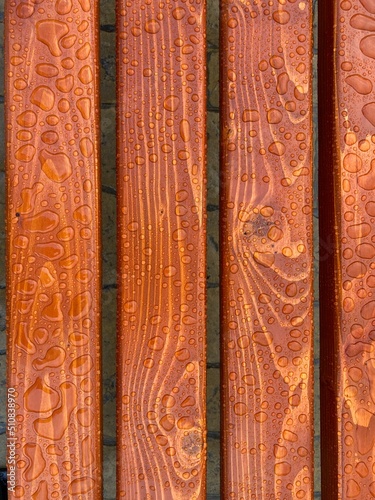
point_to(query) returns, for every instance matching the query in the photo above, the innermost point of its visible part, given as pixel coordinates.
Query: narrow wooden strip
(53, 286)
(161, 245)
(266, 244)
(347, 143)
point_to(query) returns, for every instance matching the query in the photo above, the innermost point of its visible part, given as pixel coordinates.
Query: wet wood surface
(53, 281)
(347, 204)
(266, 244)
(161, 93)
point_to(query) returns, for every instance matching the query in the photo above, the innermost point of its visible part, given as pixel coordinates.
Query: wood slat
(266, 245)
(161, 246)
(347, 201)
(53, 282)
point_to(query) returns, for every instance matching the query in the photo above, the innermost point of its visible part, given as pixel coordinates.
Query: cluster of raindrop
(267, 248)
(53, 246)
(161, 197)
(356, 122)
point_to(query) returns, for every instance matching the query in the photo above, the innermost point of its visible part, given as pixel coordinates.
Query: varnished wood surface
(266, 243)
(347, 317)
(161, 246)
(53, 282)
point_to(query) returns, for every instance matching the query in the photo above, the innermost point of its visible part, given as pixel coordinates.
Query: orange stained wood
(161, 245)
(266, 243)
(347, 251)
(53, 249)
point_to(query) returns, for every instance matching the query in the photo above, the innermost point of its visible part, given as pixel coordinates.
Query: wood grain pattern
(161, 245)
(53, 248)
(348, 199)
(266, 243)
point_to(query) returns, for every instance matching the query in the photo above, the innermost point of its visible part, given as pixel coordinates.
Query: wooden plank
(161, 245)
(266, 244)
(347, 199)
(53, 281)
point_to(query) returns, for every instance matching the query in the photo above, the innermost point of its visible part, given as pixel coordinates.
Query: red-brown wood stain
(161, 246)
(266, 245)
(347, 202)
(53, 247)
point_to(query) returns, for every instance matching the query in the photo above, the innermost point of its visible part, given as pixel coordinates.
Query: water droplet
(50, 137)
(54, 426)
(53, 358)
(46, 70)
(152, 26)
(82, 485)
(42, 222)
(25, 10)
(275, 233)
(171, 103)
(179, 13)
(65, 84)
(282, 469)
(50, 33)
(263, 338)
(250, 115)
(185, 423)
(168, 400)
(352, 163)
(81, 305)
(274, 116)
(84, 107)
(368, 310)
(185, 130)
(365, 251)
(36, 462)
(281, 16)
(23, 340)
(167, 422)
(51, 251)
(352, 489)
(86, 75)
(359, 230)
(359, 83)
(156, 343)
(63, 7)
(277, 148)
(43, 97)
(182, 354)
(240, 409)
(265, 259)
(57, 167)
(40, 397)
(25, 153)
(81, 365)
(84, 51)
(368, 5)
